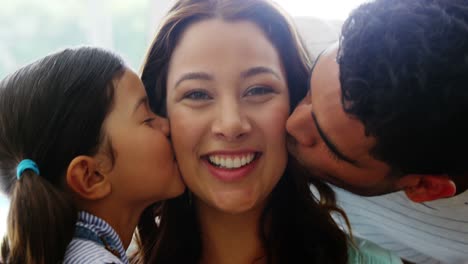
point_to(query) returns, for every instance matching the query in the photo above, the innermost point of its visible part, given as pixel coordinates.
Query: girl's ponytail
(40, 223)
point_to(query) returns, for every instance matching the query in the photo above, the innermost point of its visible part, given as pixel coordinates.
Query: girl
(81, 156)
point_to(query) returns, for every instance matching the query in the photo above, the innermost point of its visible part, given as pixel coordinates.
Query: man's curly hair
(404, 75)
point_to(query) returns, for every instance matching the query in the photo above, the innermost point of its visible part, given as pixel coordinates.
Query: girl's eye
(197, 95)
(149, 121)
(259, 90)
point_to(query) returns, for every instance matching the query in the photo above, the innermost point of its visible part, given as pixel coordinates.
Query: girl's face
(227, 102)
(144, 169)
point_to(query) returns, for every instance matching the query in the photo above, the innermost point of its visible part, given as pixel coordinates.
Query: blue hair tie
(24, 165)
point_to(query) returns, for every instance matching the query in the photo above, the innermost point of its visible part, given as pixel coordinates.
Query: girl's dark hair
(51, 111)
(302, 229)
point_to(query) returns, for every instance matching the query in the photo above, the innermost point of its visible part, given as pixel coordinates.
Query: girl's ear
(84, 178)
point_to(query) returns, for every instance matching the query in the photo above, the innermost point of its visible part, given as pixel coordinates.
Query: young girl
(81, 156)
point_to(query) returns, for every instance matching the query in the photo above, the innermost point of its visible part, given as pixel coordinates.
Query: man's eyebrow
(194, 76)
(330, 144)
(258, 70)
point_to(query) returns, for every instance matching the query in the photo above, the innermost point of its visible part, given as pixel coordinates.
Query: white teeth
(229, 162)
(237, 162)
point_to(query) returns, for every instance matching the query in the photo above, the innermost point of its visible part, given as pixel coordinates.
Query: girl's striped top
(85, 251)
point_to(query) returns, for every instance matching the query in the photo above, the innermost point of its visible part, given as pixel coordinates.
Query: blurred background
(30, 29)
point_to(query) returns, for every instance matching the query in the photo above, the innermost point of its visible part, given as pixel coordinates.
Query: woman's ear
(84, 178)
(423, 187)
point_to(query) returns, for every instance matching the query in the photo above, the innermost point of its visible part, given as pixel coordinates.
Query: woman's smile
(232, 166)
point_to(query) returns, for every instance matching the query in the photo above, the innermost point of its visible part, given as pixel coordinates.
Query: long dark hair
(301, 229)
(51, 111)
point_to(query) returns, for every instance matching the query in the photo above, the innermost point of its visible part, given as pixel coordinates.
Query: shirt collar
(103, 229)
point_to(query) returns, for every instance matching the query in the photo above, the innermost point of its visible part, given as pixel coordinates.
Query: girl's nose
(163, 124)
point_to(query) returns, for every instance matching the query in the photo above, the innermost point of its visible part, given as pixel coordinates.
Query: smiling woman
(243, 104)
(230, 71)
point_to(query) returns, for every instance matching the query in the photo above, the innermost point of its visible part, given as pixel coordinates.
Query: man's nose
(300, 125)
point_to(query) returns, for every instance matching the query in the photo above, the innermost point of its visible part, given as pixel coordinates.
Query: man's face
(331, 144)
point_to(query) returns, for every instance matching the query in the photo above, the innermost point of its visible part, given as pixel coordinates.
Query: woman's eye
(259, 90)
(197, 95)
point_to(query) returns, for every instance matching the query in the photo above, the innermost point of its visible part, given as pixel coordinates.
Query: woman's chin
(235, 202)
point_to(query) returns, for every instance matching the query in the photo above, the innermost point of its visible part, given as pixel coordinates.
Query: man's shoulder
(419, 232)
(399, 203)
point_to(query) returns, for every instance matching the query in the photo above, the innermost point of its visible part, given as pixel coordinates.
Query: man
(388, 111)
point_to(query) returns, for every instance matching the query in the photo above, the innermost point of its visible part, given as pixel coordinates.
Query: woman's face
(227, 102)
(144, 170)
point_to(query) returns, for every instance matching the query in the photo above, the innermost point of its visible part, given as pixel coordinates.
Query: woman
(229, 73)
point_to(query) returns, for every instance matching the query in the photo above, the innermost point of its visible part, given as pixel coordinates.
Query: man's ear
(424, 187)
(85, 180)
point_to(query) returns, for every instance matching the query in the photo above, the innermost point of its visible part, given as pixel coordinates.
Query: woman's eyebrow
(194, 76)
(259, 70)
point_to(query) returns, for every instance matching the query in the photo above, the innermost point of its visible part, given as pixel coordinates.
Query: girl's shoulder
(87, 251)
(363, 251)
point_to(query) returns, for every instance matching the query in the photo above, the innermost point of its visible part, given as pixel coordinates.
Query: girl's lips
(231, 174)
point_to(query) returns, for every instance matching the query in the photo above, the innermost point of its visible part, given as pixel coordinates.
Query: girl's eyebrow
(140, 102)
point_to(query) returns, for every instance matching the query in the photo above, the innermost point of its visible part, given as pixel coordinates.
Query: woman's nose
(231, 123)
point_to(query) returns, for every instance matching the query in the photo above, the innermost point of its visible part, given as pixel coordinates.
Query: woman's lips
(231, 167)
